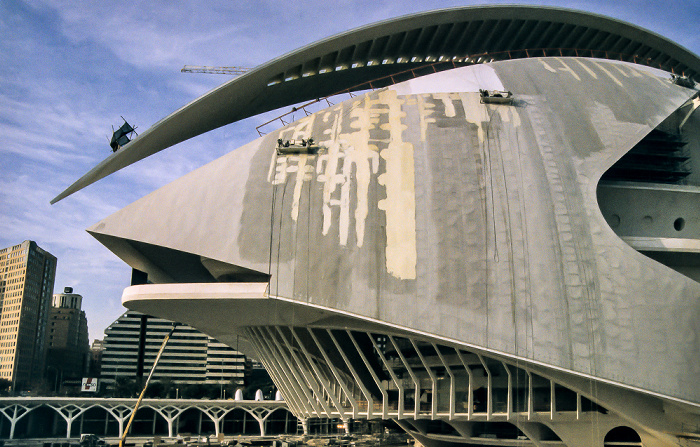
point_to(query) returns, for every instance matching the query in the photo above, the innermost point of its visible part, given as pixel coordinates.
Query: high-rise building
(67, 345)
(96, 351)
(27, 274)
(189, 357)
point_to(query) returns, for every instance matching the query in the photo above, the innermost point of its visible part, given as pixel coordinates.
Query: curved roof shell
(430, 211)
(394, 50)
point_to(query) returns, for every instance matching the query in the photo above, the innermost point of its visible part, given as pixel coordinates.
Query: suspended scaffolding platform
(122, 136)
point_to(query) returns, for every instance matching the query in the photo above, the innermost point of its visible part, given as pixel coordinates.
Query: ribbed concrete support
(421, 383)
(72, 409)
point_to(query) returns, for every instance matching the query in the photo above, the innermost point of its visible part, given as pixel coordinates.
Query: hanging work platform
(121, 136)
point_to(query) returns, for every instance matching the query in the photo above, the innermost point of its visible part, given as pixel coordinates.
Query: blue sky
(70, 69)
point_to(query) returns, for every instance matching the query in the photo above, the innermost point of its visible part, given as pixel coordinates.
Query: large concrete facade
(481, 271)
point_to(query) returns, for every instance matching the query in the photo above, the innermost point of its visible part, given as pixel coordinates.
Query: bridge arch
(622, 434)
(280, 421)
(50, 417)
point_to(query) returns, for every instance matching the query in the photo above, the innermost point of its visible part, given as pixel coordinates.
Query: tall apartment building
(67, 344)
(27, 274)
(190, 356)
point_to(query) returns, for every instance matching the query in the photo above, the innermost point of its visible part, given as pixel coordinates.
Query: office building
(189, 357)
(494, 240)
(27, 274)
(67, 345)
(96, 350)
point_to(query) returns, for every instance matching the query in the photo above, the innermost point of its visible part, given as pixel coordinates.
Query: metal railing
(473, 59)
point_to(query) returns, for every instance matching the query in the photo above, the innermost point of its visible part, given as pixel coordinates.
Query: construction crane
(214, 70)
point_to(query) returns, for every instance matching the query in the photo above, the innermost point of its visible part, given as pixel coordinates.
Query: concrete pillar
(14, 413)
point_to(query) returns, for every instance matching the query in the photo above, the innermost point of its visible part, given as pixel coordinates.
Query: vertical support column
(306, 373)
(509, 400)
(269, 359)
(216, 414)
(315, 408)
(530, 400)
(396, 380)
(453, 390)
(470, 389)
(170, 414)
(72, 413)
(272, 370)
(261, 422)
(416, 382)
(16, 412)
(553, 398)
(273, 353)
(489, 390)
(579, 409)
(121, 413)
(336, 374)
(319, 376)
(367, 394)
(385, 397)
(433, 379)
(258, 416)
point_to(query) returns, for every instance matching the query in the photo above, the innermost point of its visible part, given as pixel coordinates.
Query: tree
(125, 387)
(5, 385)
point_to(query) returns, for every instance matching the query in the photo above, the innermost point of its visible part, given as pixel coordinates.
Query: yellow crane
(214, 70)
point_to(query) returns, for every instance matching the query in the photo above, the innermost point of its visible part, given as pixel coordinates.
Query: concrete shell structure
(481, 269)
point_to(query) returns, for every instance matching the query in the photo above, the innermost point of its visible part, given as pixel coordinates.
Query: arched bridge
(38, 417)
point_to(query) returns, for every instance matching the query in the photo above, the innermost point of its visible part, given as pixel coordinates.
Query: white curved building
(497, 245)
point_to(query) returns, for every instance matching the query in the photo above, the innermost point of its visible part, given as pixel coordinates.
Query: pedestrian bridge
(48, 417)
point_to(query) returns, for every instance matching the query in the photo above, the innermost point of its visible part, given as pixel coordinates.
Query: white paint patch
(476, 113)
(447, 103)
(607, 72)
(351, 160)
(546, 65)
(463, 79)
(400, 202)
(565, 68)
(587, 68)
(425, 110)
(509, 115)
(619, 68)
